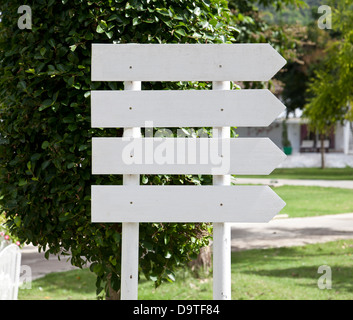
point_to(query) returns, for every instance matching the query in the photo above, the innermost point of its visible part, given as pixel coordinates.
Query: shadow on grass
(300, 264)
(341, 276)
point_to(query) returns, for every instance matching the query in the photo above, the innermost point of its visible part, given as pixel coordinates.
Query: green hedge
(45, 146)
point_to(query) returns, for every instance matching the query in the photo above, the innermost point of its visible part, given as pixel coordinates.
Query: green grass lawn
(309, 174)
(314, 201)
(284, 273)
(281, 273)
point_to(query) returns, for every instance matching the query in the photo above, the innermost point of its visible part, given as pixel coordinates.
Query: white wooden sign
(184, 108)
(221, 156)
(184, 156)
(185, 62)
(184, 204)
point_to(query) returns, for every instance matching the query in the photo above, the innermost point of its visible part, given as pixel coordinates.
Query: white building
(340, 140)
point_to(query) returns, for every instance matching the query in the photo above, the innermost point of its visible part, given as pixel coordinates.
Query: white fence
(10, 263)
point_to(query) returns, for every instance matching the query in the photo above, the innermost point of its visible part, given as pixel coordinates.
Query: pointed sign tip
(277, 62)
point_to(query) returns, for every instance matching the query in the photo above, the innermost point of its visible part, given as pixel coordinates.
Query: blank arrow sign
(185, 62)
(184, 204)
(184, 108)
(184, 156)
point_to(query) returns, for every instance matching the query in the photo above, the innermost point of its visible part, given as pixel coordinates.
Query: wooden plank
(184, 156)
(184, 108)
(184, 204)
(185, 62)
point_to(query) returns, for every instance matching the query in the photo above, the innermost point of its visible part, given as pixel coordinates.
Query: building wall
(294, 136)
(339, 143)
(274, 132)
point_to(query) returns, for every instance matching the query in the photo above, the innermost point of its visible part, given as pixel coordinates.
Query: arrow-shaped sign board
(184, 204)
(184, 108)
(184, 156)
(185, 62)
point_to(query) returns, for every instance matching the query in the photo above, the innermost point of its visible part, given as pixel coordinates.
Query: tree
(45, 171)
(331, 87)
(249, 18)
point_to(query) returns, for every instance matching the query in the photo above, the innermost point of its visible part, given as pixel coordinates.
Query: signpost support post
(221, 231)
(130, 230)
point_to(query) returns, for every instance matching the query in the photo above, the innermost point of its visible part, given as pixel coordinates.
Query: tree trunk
(203, 262)
(112, 294)
(322, 138)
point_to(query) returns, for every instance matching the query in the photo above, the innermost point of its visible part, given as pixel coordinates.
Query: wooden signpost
(220, 155)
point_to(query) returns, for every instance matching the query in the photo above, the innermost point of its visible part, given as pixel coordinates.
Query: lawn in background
(309, 174)
(281, 273)
(304, 201)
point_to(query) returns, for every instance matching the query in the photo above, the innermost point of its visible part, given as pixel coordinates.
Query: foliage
(331, 86)
(248, 17)
(305, 44)
(45, 170)
(292, 14)
(309, 44)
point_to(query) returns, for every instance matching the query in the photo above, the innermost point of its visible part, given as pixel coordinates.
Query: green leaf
(71, 165)
(135, 21)
(43, 51)
(22, 182)
(17, 221)
(51, 41)
(45, 145)
(116, 237)
(181, 32)
(170, 275)
(97, 268)
(46, 104)
(110, 34)
(71, 81)
(22, 85)
(197, 11)
(45, 164)
(153, 277)
(102, 26)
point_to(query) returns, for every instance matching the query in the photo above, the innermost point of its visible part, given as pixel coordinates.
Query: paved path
(41, 266)
(292, 232)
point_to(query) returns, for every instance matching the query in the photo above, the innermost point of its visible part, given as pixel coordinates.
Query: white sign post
(220, 155)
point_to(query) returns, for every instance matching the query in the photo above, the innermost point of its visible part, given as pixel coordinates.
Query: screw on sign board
(220, 155)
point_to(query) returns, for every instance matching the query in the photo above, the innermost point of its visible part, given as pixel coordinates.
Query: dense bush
(45, 169)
